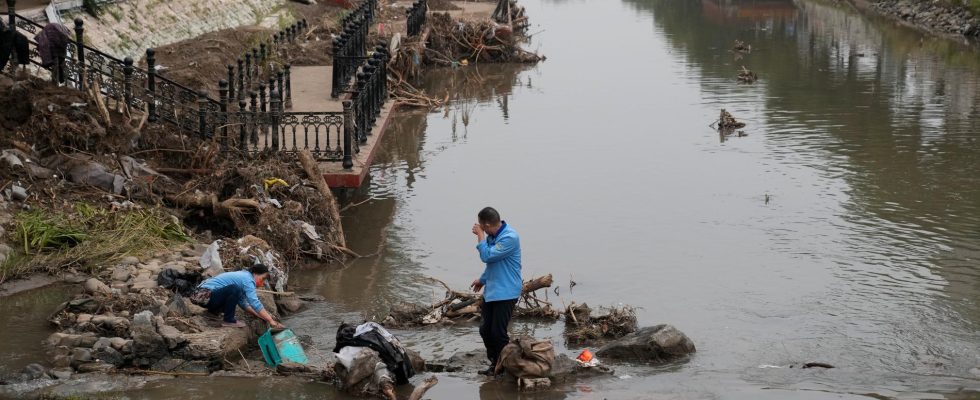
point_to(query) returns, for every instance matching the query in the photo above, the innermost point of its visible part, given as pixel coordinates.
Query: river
(841, 228)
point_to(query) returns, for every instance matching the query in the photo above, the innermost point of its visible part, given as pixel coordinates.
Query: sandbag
(527, 357)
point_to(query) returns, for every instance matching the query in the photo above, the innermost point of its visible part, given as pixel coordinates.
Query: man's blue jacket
(502, 276)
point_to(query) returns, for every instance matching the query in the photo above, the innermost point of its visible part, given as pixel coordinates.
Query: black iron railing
(250, 114)
(416, 17)
(350, 47)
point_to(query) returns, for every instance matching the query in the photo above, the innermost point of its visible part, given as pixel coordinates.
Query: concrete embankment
(936, 17)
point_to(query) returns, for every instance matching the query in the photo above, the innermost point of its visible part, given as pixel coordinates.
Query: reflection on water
(25, 325)
(842, 229)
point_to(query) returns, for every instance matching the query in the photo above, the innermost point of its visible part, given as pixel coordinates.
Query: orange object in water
(585, 356)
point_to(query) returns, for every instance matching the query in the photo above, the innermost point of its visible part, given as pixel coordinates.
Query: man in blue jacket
(500, 248)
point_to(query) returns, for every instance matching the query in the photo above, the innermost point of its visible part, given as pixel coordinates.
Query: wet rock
(85, 305)
(173, 337)
(60, 373)
(71, 340)
(81, 355)
(659, 343)
(566, 369)
(120, 274)
(468, 361)
(34, 371)
(168, 364)
(293, 368)
(60, 357)
(269, 302)
(96, 287)
(147, 343)
(313, 298)
(109, 355)
(289, 304)
(95, 367)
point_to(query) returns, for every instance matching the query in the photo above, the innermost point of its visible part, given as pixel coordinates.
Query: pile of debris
(465, 306)
(135, 315)
(583, 328)
(746, 76)
(727, 123)
(453, 41)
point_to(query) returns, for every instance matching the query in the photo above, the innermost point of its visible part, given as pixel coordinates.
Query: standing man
(500, 248)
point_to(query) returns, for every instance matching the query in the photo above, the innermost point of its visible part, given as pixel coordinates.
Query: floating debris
(746, 76)
(726, 122)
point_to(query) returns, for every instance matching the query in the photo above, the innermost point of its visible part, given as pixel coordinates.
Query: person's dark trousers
(496, 316)
(224, 300)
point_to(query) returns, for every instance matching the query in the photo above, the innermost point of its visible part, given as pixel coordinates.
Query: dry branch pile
(581, 327)
(452, 41)
(747, 76)
(465, 306)
(727, 122)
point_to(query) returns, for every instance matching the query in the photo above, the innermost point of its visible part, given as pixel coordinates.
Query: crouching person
(222, 293)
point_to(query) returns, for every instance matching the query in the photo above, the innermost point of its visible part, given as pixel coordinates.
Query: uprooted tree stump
(465, 306)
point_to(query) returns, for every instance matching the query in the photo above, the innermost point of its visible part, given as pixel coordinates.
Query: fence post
(275, 38)
(348, 161)
(241, 79)
(223, 109)
(151, 85)
(255, 120)
(263, 55)
(369, 70)
(288, 88)
(262, 97)
(280, 80)
(12, 20)
(231, 82)
(335, 80)
(80, 52)
(272, 87)
(242, 121)
(202, 114)
(276, 107)
(361, 108)
(248, 70)
(128, 81)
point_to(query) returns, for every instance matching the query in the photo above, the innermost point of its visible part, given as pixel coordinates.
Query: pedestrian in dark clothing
(13, 43)
(500, 248)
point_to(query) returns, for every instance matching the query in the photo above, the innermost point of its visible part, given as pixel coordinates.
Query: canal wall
(128, 28)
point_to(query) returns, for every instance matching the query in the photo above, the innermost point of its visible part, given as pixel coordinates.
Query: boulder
(269, 303)
(60, 373)
(71, 340)
(661, 343)
(172, 336)
(34, 371)
(96, 287)
(81, 355)
(102, 343)
(120, 274)
(109, 355)
(289, 304)
(95, 367)
(147, 343)
(213, 344)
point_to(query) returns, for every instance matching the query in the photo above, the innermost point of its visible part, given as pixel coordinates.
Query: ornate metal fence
(349, 49)
(250, 114)
(416, 17)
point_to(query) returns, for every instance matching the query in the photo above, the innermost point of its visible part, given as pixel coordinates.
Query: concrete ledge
(338, 177)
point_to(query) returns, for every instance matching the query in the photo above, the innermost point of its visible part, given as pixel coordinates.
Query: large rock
(109, 355)
(172, 336)
(214, 343)
(289, 304)
(96, 287)
(659, 343)
(34, 371)
(147, 343)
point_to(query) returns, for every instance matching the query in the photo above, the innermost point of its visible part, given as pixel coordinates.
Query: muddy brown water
(842, 229)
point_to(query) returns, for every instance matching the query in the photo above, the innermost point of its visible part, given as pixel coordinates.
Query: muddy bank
(932, 16)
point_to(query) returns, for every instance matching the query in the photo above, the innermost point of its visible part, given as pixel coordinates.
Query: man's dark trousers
(496, 316)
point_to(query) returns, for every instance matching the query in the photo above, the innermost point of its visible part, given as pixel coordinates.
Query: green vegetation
(87, 238)
(116, 13)
(92, 7)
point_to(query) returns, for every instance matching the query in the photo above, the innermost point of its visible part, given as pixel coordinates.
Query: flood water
(843, 228)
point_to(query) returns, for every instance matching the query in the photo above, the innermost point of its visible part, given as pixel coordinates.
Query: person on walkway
(500, 248)
(223, 292)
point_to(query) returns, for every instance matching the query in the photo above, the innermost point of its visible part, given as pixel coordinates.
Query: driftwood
(420, 390)
(747, 76)
(727, 122)
(465, 306)
(230, 208)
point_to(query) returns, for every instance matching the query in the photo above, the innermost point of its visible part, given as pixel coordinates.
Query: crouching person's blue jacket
(502, 276)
